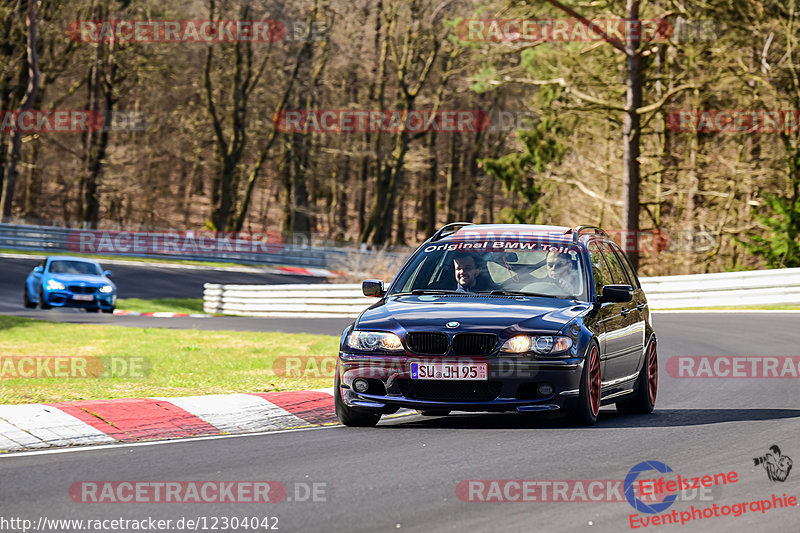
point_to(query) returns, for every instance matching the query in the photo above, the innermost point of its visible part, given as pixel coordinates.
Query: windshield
(74, 267)
(553, 269)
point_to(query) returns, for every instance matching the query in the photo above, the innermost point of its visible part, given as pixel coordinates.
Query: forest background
(593, 134)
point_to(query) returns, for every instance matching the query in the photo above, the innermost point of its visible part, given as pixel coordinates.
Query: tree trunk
(632, 133)
(10, 181)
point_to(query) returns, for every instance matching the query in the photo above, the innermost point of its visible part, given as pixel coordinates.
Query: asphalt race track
(147, 281)
(402, 475)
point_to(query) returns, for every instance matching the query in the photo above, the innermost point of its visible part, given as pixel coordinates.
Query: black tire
(589, 395)
(350, 416)
(42, 302)
(644, 399)
(108, 310)
(26, 301)
(434, 412)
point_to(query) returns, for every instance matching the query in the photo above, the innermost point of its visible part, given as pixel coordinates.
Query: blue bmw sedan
(502, 318)
(61, 281)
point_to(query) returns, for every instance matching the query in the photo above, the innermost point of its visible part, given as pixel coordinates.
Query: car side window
(600, 271)
(626, 264)
(617, 272)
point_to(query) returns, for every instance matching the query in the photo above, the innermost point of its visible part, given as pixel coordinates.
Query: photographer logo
(777, 466)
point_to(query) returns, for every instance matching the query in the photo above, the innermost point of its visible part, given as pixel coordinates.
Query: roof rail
(577, 230)
(449, 229)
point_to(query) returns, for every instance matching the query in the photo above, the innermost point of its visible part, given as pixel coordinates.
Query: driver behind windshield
(562, 271)
(471, 274)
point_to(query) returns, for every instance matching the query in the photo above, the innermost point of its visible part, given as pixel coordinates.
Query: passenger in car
(562, 271)
(471, 273)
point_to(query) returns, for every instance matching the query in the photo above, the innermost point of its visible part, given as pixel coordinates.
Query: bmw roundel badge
(452, 324)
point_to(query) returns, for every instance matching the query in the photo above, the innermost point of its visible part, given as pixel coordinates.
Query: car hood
(80, 278)
(498, 315)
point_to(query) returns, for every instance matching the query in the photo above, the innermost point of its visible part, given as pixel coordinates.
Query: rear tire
(644, 400)
(590, 389)
(26, 301)
(350, 416)
(42, 302)
(108, 310)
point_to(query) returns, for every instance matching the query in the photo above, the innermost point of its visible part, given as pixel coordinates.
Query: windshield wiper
(434, 291)
(519, 293)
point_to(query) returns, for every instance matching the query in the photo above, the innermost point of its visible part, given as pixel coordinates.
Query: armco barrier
(311, 301)
(755, 287)
(48, 239)
(759, 287)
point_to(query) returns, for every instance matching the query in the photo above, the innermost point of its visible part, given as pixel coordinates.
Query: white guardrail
(758, 287)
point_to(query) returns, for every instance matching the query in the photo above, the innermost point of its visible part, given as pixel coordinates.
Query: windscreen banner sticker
(487, 246)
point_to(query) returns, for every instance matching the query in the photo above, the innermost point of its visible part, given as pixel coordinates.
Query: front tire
(644, 400)
(590, 389)
(350, 416)
(42, 301)
(27, 300)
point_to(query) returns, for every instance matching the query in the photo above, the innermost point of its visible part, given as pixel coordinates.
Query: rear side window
(600, 271)
(626, 264)
(617, 272)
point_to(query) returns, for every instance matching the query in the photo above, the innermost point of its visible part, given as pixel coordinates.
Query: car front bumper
(66, 298)
(512, 384)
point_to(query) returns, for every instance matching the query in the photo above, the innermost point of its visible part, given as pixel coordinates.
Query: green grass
(170, 305)
(181, 362)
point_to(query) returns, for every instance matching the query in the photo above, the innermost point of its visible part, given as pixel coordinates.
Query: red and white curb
(315, 272)
(32, 426)
(159, 314)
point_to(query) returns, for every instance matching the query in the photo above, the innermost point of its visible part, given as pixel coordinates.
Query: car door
(609, 317)
(628, 345)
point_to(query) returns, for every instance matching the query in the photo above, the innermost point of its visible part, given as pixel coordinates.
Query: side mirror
(38, 269)
(107, 273)
(373, 287)
(617, 293)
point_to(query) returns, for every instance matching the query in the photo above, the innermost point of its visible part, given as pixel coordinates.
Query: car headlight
(538, 344)
(54, 285)
(373, 340)
(105, 289)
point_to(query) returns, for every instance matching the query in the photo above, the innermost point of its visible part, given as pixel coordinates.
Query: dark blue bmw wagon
(502, 318)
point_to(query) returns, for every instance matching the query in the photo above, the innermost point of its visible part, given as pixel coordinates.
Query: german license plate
(450, 371)
(83, 297)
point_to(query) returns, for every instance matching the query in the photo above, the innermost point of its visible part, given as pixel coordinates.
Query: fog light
(545, 389)
(361, 385)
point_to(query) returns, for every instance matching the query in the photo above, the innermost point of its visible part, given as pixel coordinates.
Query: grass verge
(168, 305)
(181, 362)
